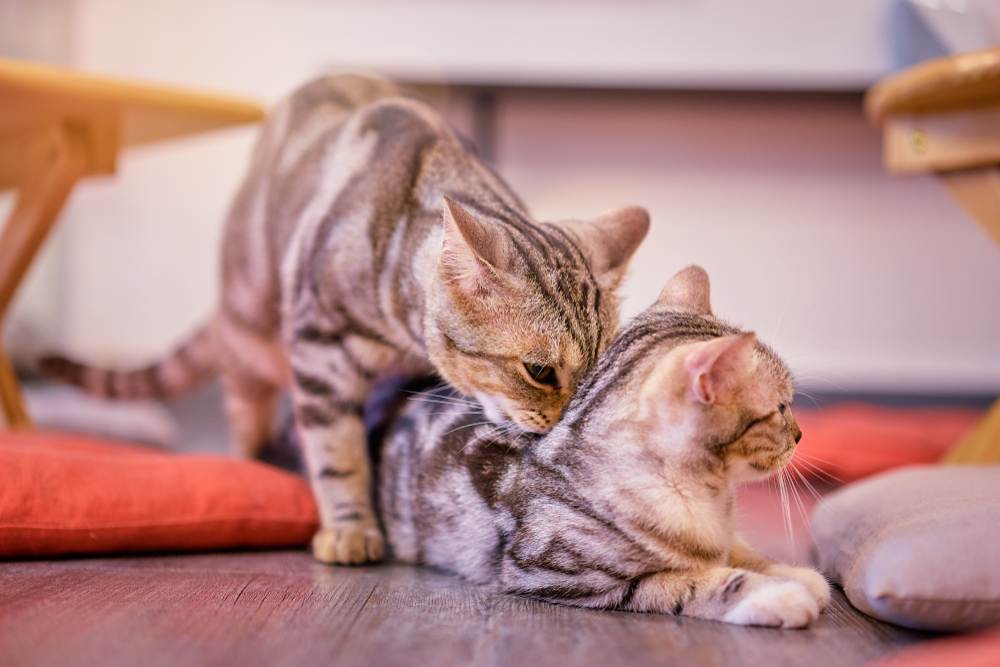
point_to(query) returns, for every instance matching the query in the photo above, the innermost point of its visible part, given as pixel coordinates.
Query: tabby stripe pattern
(542, 515)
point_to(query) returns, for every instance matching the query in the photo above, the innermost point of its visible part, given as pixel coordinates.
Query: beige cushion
(919, 546)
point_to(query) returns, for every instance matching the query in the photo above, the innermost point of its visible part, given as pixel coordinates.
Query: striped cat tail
(187, 366)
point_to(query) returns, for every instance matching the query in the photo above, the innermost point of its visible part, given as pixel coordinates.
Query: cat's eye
(543, 375)
(782, 408)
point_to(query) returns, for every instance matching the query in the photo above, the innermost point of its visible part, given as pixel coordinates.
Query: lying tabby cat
(363, 237)
(628, 502)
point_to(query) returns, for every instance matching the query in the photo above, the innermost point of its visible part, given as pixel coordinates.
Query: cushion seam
(889, 596)
(159, 524)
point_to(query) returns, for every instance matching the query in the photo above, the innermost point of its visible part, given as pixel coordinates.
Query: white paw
(777, 603)
(814, 582)
(350, 545)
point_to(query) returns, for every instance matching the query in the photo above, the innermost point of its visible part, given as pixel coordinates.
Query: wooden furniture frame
(943, 117)
(57, 127)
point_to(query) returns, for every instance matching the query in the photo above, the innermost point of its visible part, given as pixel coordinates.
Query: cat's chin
(492, 409)
(744, 472)
(498, 415)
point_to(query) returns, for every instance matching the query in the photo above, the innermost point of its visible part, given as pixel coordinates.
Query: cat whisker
(466, 409)
(815, 377)
(434, 388)
(451, 412)
(429, 390)
(824, 477)
(465, 426)
(816, 496)
(461, 410)
(794, 501)
(797, 497)
(448, 399)
(785, 512)
(809, 396)
(808, 486)
(428, 397)
(473, 441)
(444, 403)
(808, 460)
(507, 432)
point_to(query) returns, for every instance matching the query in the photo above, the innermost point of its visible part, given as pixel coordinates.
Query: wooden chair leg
(40, 198)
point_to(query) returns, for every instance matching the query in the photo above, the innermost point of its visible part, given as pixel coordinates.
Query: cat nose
(797, 434)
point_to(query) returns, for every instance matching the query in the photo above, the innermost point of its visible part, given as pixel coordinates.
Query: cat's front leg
(814, 582)
(337, 460)
(727, 594)
(743, 556)
(332, 373)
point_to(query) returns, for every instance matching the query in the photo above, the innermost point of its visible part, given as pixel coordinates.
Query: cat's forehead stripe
(648, 334)
(557, 268)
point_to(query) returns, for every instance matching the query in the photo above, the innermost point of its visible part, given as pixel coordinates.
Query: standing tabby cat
(628, 502)
(364, 237)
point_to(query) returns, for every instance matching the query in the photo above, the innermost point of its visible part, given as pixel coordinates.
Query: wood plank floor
(282, 608)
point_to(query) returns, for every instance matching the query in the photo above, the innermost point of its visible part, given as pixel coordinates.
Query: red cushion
(63, 494)
(982, 650)
(853, 440)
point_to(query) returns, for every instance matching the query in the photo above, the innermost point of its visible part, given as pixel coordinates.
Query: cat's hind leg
(250, 404)
(333, 370)
(253, 369)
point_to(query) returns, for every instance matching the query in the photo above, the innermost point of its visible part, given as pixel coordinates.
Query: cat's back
(316, 114)
(341, 146)
(361, 151)
(332, 128)
(442, 473)
(287, 165)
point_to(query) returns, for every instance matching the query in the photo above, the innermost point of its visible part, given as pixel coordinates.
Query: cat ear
(716, 364)
(473, 254)
(610, 240)
(688, 291)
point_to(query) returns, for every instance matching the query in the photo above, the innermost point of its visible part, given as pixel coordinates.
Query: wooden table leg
(14, 414)
(982, 444)
(60, 163)
(978, 191)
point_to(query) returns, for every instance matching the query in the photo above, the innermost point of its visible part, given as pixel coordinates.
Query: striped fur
(366, 239)
(188, 365)
(627, 503)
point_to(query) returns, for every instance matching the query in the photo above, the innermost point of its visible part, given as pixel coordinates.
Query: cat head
(681, 386)
(518, 312)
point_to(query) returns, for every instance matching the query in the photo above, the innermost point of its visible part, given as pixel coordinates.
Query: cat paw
(350, 545)
(778, 604)
(814, 582)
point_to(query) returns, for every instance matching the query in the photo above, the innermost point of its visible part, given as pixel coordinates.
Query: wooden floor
(282, 608)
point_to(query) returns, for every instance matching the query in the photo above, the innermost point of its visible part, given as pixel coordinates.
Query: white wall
(652, 43)
(861, 280)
